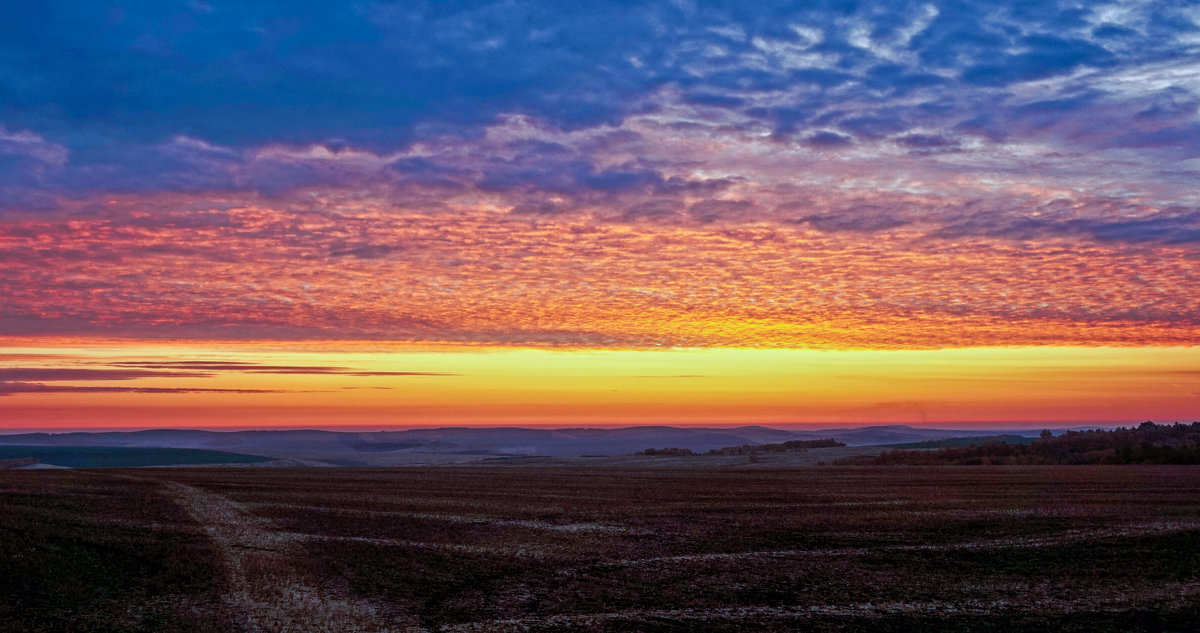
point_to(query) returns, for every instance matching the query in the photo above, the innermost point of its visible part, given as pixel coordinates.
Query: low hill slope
(121, 457)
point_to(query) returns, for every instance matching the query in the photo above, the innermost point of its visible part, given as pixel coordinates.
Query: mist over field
(461, 445)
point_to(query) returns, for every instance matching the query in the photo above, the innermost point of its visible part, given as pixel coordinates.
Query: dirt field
(601, 549)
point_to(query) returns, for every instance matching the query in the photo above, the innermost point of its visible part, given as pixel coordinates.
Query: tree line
(1147, 443)
(790, 446)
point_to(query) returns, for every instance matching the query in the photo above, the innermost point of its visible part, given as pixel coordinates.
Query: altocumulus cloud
(629, 174)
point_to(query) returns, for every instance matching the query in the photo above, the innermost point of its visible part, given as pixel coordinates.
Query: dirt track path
(266, 591)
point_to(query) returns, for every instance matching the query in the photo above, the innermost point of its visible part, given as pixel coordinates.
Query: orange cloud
(248, 269)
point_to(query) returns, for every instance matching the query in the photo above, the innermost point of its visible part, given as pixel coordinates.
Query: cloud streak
(12, 387)
(33, 380)
(21, 374)
(188, 367)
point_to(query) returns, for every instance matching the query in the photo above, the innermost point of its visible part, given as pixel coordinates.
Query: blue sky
(101, 90)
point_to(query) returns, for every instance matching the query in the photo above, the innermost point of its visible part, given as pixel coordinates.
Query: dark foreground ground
(548, 549)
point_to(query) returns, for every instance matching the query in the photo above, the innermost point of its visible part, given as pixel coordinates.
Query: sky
(371, 214)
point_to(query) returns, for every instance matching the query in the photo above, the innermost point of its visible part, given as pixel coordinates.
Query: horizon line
(971, 426)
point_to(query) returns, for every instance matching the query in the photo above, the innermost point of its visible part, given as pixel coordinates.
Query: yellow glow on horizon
(580, 387)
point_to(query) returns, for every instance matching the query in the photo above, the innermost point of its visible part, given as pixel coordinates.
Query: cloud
(373, 81)
(827, 139)
(187, 366)
(860, 220)
(1169, 227)
(33, 146)
(33, 379)
(9, 388)
(21, 374)
(926, 142)
(571, 177)
(874, 174)
(28, 163)
(1042, 55)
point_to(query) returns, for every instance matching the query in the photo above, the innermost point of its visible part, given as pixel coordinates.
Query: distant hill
(883, 435)
(957, 442)
(458, 444)
(120, 456)
(780, 447)
(1148, 443)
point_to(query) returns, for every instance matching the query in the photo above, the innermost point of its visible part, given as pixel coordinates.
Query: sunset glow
(661, 214)
(151, 385)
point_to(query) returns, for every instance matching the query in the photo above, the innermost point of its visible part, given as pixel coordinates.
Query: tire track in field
(1063, 538)
(748, 614)
(536, 551)
(459, 548)
(466, 519)
(267, 592)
